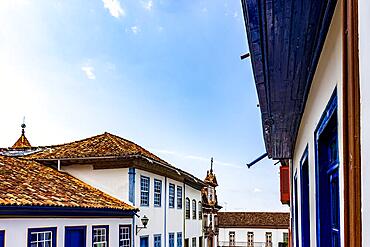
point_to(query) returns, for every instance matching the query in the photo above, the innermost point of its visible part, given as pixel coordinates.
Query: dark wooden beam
(351, 126)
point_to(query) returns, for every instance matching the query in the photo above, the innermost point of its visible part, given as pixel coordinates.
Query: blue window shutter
(2, 238)
(131, 175)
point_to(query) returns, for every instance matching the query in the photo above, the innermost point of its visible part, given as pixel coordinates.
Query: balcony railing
(244, 244)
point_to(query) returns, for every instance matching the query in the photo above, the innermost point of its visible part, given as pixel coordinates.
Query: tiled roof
(28, 183)
(22, 142)
(253, 220)
(103, 145)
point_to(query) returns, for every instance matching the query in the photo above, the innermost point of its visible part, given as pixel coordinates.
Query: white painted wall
(364, 53)
(328, 75)
(116, 183)
(241, 235)
(16, 229)
(112, 181)
(193, 228)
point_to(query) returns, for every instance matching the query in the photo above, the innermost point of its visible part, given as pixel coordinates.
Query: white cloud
(89, 72)
(148, 5)
(114, 8)
(135, 29)
(257, 190)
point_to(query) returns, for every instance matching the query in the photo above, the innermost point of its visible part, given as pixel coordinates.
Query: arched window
(187, 208)
(194, 209)
(200, 210)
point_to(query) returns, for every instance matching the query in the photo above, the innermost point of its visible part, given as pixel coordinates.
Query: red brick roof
(103, 145)
(28, 183)
(253, 220)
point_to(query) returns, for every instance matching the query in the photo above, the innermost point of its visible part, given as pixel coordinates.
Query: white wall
(193, 228)
(112, 181)
(327, 76)
(241, 235)
(364, 52)
(16, 229)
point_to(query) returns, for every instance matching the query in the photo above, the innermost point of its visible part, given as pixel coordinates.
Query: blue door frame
(144, 241)
(2, 238)
(327, 178)
(295, 210)
(75, 236)
(305, 199)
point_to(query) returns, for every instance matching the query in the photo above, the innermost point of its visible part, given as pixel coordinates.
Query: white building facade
(253, 229)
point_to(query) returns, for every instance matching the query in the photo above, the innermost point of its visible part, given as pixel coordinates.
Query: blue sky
(165, 74)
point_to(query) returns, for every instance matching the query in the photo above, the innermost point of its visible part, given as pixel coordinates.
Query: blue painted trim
(43, 229)
(130, 234)
(83, 228)
(179, 206)
(304, 225)
(160, 197)
(100, 226)
(171, 185)
(63, 211)
(133, 233)
(160, 240)
(179, 234)
(144, 237)
(141, 204)
(2, 238)
(165, 210)
(131, 191)
(295, 210)
(330, 109)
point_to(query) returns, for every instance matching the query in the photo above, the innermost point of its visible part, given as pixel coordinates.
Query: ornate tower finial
(211, 165)
(23, 125)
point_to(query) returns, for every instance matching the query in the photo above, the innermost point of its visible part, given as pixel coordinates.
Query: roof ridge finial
(23, 125)
(211, 171)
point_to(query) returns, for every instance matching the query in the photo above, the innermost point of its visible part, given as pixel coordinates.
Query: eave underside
(285, 41)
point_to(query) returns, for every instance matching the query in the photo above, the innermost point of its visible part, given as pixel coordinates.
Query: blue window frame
(2, 238)
(305, 200)
(157, 192)
(171, 194)
(144, 241)
(171, 239)
(144, 190)
(41, 237)
(100, 236)
(157, 240)
(179, 197)
(179, 239)
(327, 177)
(194, 209)
(124, 236)
(295, 210)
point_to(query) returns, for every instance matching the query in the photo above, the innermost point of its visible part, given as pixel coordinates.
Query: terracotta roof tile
(103, 145)
(22, 142)
(253, 220)
(28, 183)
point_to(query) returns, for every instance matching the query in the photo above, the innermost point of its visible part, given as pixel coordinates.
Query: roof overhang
(285, 41)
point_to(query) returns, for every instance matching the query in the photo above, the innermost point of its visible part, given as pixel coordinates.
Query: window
(171, 200)
(144, 191)
(124, 236)
(179, 239)
(41, 237)
(250, 239)
(187, 208)
(285, 237)
(194, 242)
(232, 238)
(200, 213)
(200, 241)
(100, 236)
(179, 197)
(171, 239)
(157, 240)
(194, 209)
(157, 192)
(268, 239)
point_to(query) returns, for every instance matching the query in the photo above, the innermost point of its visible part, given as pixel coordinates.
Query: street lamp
(144, 221)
